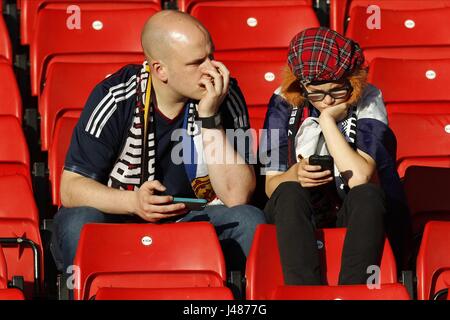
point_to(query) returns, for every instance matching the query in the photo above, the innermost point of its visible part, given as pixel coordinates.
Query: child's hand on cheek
(337, 112)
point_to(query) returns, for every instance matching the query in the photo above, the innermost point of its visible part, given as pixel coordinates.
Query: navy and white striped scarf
(306, 138)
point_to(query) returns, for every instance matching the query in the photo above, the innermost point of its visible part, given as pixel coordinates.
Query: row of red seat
(406, 25)
(144, 264)
(256, 42)
(341, 10)
(21, 252)
(5, 43)
(19, 216)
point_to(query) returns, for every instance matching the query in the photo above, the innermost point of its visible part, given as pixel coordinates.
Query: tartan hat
(322, 55)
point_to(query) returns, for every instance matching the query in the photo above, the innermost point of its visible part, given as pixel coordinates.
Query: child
(326, 107)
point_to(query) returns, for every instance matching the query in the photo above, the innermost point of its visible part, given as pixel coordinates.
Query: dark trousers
(363, 211)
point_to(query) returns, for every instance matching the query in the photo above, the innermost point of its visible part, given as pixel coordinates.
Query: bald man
(137, 145)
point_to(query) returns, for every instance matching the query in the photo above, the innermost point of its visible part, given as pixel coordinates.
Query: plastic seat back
(105, 28)
(14, 157)
(148, 256)
(11, 294)
(5, 292)
(3, 271)
(188, 5)
(237, 27)
(394, 291)
(14, 206)
(30, 9)
(404, 33)
(77, 74)
(198, 293)
(421, 136)
(414, 86)
(339, 9)
(257, 80)
(10, 100)
(57, 152)
(264, 273)
(22, 246)
(5, 43)
(427, 203)
(433, 260)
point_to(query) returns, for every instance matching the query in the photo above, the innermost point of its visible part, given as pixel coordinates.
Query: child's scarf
(309, 140)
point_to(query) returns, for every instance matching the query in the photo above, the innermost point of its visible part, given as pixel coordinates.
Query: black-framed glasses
(336, 93)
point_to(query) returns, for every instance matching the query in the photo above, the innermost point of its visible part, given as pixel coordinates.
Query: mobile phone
(191, 204)
(325, 162)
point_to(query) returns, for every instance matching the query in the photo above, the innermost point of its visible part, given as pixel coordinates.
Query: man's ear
(159, 70)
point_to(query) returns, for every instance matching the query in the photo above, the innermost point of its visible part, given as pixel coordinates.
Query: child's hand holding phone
(313, 175)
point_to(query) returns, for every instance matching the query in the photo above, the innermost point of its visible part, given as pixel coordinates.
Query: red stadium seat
(394, 291)
(19, 227)
(264, 273)
(5, 292)
(198, 293)
(30, 9)
(177, 255)
(406, 31)
(418, 105)
(3, 271)
(339, 9)
(422, 139)
(10, 101)
(443, 283)
(69, 82)
(22, 247)
(258, 81)
(412, 86)
(433, 261)
(5, 44)
(11, 294)
(57, 151)
(13, 206)
(14, 158)
(427, 193)
(240, 29)
(105, 28)
(187, 5)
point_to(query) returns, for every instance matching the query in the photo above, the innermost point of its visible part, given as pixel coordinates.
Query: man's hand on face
(337, 112)
(216, 82)
(152, 207)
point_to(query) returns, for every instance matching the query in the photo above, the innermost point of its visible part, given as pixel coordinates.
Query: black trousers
(363, 212)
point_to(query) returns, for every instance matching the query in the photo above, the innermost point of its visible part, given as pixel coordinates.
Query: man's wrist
(132, 199)
(210, 122)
